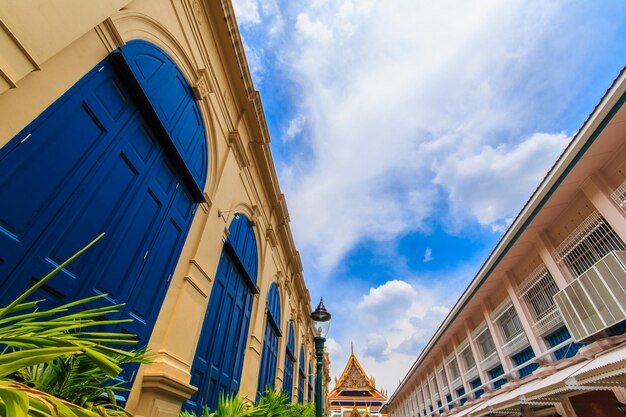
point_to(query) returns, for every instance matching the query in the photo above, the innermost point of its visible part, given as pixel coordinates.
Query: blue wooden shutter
(219, 357)
(94, 162)
(269, 357)
(301, 376)
(289, 363)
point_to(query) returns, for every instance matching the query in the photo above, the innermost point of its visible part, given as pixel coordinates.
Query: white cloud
(334, 348)
(428, 255)
(392, 109)
(492, 181)
(390, 325)
(376, 347)
(294, 128)
(247, 11)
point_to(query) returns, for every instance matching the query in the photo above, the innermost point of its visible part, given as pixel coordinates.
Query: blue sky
(407, 134)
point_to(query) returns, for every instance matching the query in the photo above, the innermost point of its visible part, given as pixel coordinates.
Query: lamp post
(321, 324)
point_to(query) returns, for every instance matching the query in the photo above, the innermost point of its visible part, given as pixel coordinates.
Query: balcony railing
(512, 372)
(619, 196)
(490, 361)
(471, 373)
(548, 322)
(519, 342)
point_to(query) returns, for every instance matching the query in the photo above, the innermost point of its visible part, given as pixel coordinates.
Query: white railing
(619, 196)
(548, 322)
(516, 344)
(490, 361)
(587, 244)
(455, 384)
(471, 373)
(488, 384)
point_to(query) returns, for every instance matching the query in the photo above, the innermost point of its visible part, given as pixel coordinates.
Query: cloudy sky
(407, 134)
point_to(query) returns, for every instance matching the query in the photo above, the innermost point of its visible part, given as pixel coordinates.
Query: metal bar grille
(516, 344)
(453, 366)
(500, 310)
(619, 196)
(548, 322)
(468, 358)
(486, 344)
(510, 324)
(587, 244)
(540, 296)
(443, 377)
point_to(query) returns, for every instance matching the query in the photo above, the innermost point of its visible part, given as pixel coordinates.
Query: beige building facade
(540, 329)
(48, 48)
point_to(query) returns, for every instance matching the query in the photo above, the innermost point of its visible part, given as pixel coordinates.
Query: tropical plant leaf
(4, 311)
(15, 403)
(38, 403)
(58, 365)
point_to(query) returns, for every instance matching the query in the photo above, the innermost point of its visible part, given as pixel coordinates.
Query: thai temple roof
(355, 393)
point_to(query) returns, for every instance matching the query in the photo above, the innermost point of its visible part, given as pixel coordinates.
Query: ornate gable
(354, 377)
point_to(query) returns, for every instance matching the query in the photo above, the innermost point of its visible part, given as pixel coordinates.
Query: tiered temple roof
(355, 394)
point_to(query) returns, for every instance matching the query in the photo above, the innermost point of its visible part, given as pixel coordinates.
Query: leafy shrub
(55, 364)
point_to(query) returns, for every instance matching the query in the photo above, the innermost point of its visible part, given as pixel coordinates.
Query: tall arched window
(301, 376)
(107, 156)
(310, 378)
(267, 373)
(290, 360)
(218, 362)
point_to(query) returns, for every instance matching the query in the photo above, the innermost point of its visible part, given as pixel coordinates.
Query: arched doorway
(290, 360)
(220, 352)
(269, 357)
(111, 155)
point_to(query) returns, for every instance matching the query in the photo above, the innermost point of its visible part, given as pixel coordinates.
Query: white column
(458, 364)
(497, 338)
(545, 248)
(523, 314)
(481, 372)
(598, 193)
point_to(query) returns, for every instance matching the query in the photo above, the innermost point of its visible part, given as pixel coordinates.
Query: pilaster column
(481, 372)
(545, 248)
(523, 314)
(598, 193)
(458, 364)
(497, 338)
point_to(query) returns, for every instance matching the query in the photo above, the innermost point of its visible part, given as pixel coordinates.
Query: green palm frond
(55, 362)
(273, 403)
(19, 400)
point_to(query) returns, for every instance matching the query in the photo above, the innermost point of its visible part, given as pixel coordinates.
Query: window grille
(443, 376)
(435, 386)
(468, 358)
(453, 367)
(510, 324)
(517, 343)
(538, 292)
(587, 244)
(619, 196)
(486, 344)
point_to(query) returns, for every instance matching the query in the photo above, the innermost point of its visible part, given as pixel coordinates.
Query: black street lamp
(321, 324)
